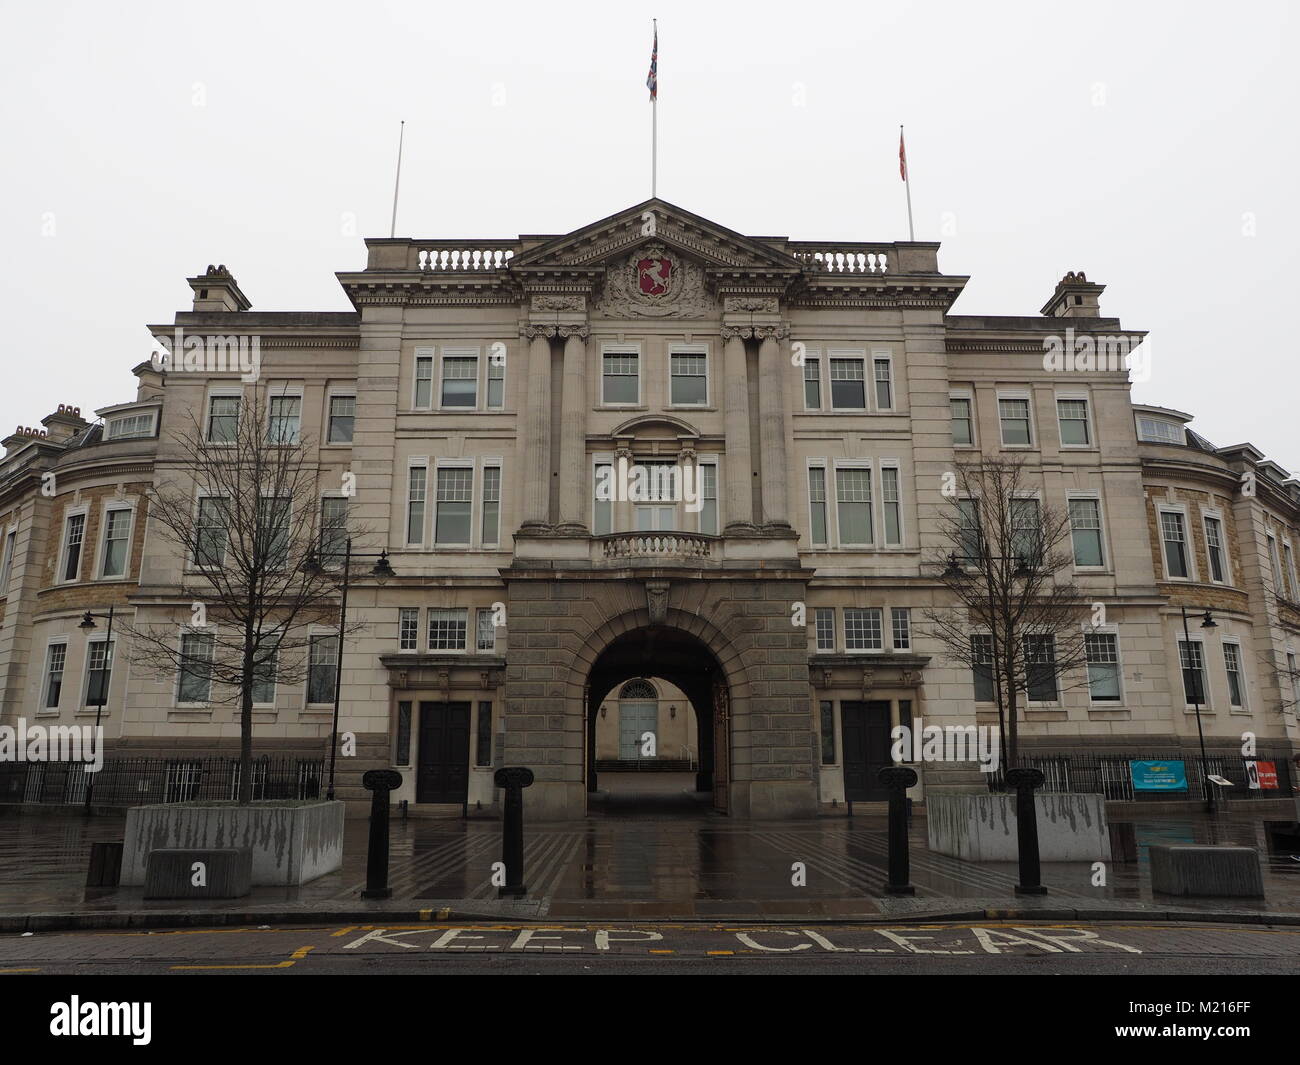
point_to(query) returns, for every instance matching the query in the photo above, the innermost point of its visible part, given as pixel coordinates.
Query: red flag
(902, 155)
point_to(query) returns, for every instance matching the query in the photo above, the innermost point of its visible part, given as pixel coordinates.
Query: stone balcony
(666, 546)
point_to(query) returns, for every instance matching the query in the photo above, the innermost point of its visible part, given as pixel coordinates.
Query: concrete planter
(982, 827)
(292, 842)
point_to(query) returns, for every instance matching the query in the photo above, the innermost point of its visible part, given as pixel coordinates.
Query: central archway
(685, 662)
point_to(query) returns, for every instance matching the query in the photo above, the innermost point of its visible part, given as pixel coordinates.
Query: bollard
(514, 779)
(898, 778)
(1025, 779)
(380, 782)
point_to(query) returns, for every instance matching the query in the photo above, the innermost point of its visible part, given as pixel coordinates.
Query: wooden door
(443, 772)
(864, 729)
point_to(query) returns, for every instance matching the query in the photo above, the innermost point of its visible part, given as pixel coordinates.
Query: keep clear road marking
(930, 939)
(296, 956)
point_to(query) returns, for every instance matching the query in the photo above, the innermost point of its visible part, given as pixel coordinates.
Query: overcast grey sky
(1152, 145)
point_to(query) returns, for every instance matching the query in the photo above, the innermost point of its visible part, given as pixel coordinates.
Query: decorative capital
(737, 332)
(897, 777)
(381, 780)
(566, 331)
(535, 331)
(771, 332)
(1025, 777)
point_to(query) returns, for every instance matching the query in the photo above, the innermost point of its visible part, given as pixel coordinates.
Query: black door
(865, 731)
(443, 774)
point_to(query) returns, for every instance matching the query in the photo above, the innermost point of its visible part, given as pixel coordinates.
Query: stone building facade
(482, 401)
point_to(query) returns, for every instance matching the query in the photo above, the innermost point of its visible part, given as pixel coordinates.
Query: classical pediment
(711, 246)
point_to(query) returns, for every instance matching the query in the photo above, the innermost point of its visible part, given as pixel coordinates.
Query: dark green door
(865, 733)
(443, 774)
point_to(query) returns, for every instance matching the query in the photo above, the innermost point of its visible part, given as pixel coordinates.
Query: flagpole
(907, 184)
(654, 122)
(397, 184)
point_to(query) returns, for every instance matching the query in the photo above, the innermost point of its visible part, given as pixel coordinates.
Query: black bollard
(1025, 779)
(514, 779)
(898, 778)
(380, 782)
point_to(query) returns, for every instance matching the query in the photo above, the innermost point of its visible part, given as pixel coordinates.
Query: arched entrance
(623, 676)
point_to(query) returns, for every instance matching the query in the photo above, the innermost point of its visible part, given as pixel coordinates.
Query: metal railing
(1111, 775)
(139, 781)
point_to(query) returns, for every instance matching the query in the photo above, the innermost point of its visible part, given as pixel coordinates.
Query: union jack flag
(652, 80)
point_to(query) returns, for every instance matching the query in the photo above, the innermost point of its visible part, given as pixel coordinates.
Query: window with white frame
(1072, 417)
(602, 502)
(1160, 431)
(452, 505)
(1192, 660)
(56, 657)
(274, 514)
(1102, 653)
(223, 419)
(1214, 549)
(1288, 571)
(1275, 561)
(342, 419)
(688, 379)
(824, 621)
(416, 483)
(891, 503)
(459, 380)
(322, 669)
(264, 676)
(117, 534)
(812, 384)
(1040, 667)
(1026, 532)
(285, 419)
(884, 375)
(130, 426)
(709, 498)
(1293, 671)
(496, 382)
(848, 383)
(447, 628)
(901, 622)
(963, 423)
(74, 531)
(1236, 682)
(211, 532)
(663, 489)
(490, 517)
(853, 505)
(333, 531)
(408, 628)
(970, 537)
(423, 379)
(1013, 414)
(7, 563)
(620, 378)
(195, 681)
(981, 645)
(863, 629)
(486, 629)
(1085, 532)
(818, 534)
(1173, 534)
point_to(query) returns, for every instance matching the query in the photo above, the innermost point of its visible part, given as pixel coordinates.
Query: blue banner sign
(1158, 776)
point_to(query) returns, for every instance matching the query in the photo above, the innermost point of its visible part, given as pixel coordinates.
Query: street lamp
(1207, 622)
(381, 571)
(106, 676)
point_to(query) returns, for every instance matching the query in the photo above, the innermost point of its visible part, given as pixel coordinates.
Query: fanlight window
(638, 689)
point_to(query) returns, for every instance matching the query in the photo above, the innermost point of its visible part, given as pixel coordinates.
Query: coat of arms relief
(654, 282)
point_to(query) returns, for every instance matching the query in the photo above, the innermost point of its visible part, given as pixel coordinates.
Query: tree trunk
(246, 720)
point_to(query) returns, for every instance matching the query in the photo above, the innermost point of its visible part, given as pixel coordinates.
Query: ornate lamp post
(1207, 622)
(381, 571)
(106, 676)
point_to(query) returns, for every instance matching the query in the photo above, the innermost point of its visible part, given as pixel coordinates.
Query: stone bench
(220, 872)
(1204, 870)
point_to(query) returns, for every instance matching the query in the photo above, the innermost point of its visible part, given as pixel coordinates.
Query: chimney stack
(216, 290)
(1075, 297)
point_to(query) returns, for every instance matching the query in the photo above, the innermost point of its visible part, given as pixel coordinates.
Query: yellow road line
(343, 931)
(297, 955)
(662, 952)
(19, 970)
(715, 952)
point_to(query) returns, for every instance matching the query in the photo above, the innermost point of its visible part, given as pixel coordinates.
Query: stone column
(740, 493)
(536, 434)
(573, 428)
(772, 370)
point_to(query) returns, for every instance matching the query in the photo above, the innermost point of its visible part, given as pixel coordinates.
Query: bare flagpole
(397, 184)
(907, 182)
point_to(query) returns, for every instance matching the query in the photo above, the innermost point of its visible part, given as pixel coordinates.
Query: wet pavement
(658, 857)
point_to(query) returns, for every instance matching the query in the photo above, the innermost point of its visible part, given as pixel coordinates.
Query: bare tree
(1015, 615)
(242, 511)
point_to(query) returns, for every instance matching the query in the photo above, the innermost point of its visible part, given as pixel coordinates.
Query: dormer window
(130, 426)
(1160, 430)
